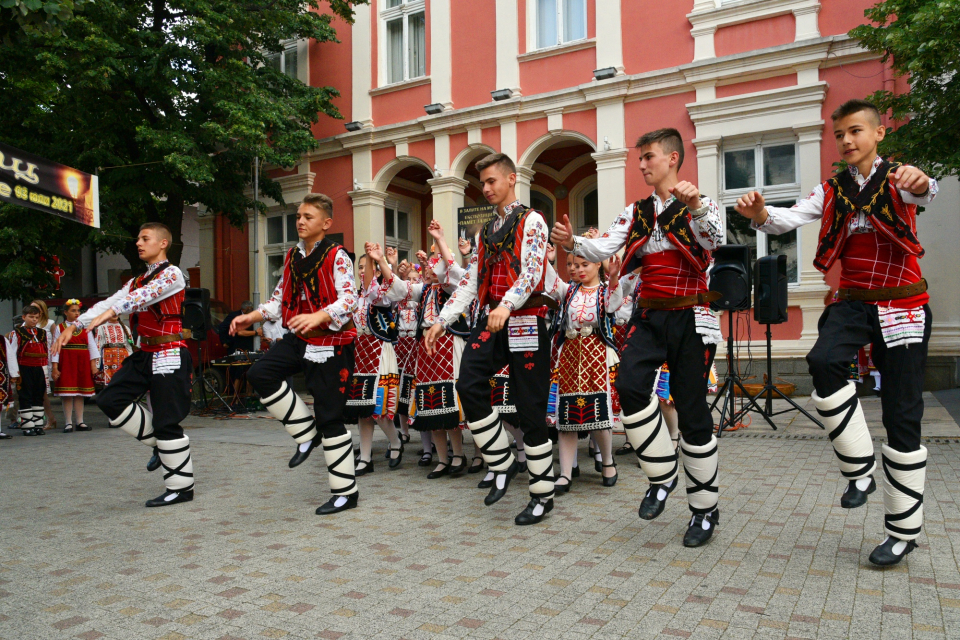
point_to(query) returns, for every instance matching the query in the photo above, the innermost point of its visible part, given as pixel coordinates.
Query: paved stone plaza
(81, 557)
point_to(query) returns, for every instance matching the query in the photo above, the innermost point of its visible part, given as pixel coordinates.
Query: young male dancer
(506, 273)
(868, 211)
(26, 359)
(315, 299)
(671, 234)
(162, 366)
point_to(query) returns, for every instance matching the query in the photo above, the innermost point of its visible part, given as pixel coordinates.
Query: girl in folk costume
(434, 402)
(372, 389)
(74, 368)
(115, 344)
(868, 222)
(406, 319)
(586, 364)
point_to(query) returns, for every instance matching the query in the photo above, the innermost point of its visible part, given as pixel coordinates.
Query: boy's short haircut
(162, 230)
(856, 105)
(503, 160)
(670, 140)
(31, 310)
(322, 202)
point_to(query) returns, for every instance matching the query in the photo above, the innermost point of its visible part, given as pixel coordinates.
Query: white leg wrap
(338, 453)
(700, 467)
(287, 407)
(491, 437)
(138, 422)
(842, 415)
(540, 468)
(177, 464)
(903, 491)
(648, 434)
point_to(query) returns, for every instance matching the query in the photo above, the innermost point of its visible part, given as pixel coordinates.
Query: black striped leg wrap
(491, 437)
(540, 468)
(138, 422)
(338, 453)
(287, 407)
(700, 467)
(843, 416)
(177, 464)
(647, 432)
(903, 491)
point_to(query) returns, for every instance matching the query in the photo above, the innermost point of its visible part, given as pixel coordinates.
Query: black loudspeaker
(770, 294)
(730, 275)
(196, 312)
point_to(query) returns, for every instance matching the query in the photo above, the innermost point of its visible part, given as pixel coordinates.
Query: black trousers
(33, 384)
(655, 336)
(169, 393)
(326, 381)
(846, 326)
(485, 354)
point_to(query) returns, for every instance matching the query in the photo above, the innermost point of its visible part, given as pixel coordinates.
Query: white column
(703, 42)
(368, 212)
(609, 32)
(441, 153)
(524, 178)
(808, 22)
(447, 198)
(441, 65)
(508, 139)
(611, 185)
(362, 64)
(809, 295)
(708, 166)
(508, 46)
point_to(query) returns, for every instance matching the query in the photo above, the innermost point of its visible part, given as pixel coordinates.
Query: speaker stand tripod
(205, 384)
(728, 392)
(769, 389)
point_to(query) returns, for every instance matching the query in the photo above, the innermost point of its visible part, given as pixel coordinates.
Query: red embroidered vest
(498, 259)
(78, 341)
(676, 222)
(31, 347)
(160, 318)
(309, 285)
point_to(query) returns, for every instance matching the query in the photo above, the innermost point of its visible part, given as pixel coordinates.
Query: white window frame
(403, 11)
(534, 12)
(276, 248)
(397, 205)
(291, 45)
(576, 198)
(782, 193)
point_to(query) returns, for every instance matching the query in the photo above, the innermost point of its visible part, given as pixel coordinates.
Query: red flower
(344, 374)
(528, 354)
(343, 389)
(529, 366)
(475, 345)
(484, 336)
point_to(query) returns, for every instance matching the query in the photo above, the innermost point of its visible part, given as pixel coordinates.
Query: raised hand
(464, 246)
(422, 257)
(614, 263)
(591, 233)
(373, 250)
(551, 252)
(562, 233)
(391, 253)
(403, 269)
(752, 205)
(435, 230)
(911, 179)
(687, 193)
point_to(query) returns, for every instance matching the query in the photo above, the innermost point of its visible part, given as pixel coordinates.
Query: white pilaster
(611, 184)
(447, 194)
(708, 166)
(368, 212)
(508, 46)
(610, 44)
(508, 139)
(809, 295)
(362, 64)
(524, 178)
(808, 22)
(554, 120)
(441, 65)
(441, 153)
(703, 42)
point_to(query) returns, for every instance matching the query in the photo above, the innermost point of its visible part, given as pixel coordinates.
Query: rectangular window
(769, 167)
(560, 21)
(274, 271)
(396, 226)
(405, 46)
(275, 230)
(285, 62)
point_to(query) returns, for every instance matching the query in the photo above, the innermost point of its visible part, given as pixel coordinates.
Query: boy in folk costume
(162, 366)
(671, 234)
(868, 212)
(27, 357)
(315, 299)
(506, 277)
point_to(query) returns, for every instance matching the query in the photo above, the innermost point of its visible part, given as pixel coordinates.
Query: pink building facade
(565, 87)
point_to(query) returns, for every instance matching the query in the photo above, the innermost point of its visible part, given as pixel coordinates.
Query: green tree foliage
(178, 93)
(922, 39)
(18, 16)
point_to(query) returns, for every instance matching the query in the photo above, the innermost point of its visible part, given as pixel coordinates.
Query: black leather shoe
(885, 556)
(562, 488)
(612, 480)
(575, 473)
(160, 501)
(83, 426)
(625, 449)
(526, 516)
(426, 460)
(444, 470)
(154, 462)
(495, 493)
(522, 468)
(458, 468)
(329, 506)
(651, 506)
(300, 456)
(476, 468)
(854, 497)
(701, 528)
(486, 484)
(395, 462)
(365, 469)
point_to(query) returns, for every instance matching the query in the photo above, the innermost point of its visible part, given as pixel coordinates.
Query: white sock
(863, 483)
(173, 495)
(899, 546)
(489, 476)
(340, 501)
(538, 508)
(501, 480)
(304, 446)
(662, 492)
